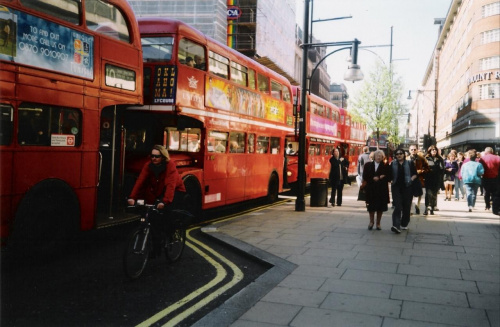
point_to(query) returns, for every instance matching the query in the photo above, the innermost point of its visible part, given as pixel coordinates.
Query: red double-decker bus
(354, 136)
(67, 70)
(327, 127)
(222, 116)
(323, 134)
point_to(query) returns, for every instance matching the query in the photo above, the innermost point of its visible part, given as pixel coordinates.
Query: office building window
(489, 91)
(490, 36)
(491, 9)
(489, 63)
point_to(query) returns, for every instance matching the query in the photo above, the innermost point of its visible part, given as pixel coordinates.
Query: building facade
(459, 103)
(338, 95)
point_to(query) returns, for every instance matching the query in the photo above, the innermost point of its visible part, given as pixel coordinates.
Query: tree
(378, 105)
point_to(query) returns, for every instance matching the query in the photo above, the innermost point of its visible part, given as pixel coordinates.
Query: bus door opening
(110, 197)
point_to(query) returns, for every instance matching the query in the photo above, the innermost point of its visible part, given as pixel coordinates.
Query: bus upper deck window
(191, 54)
(157, 48)
(106, 19)
(263, 82)
(67, 10)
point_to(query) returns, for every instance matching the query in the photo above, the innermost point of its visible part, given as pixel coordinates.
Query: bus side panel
(91, 121)
(64, 165)
(236, 170)
(215, 179)
(8, 88)
(43, 95)
(256, 181)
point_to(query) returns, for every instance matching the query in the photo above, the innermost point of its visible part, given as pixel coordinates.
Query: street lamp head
(353, 73)
(409, 95)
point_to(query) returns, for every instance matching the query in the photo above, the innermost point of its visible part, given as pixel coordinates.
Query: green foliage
(378, 105)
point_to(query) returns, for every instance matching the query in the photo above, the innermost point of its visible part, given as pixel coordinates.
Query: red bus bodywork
(327, 127)
(222, 100)
(67, 71)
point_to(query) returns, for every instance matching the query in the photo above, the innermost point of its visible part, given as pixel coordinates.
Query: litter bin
(319, 192)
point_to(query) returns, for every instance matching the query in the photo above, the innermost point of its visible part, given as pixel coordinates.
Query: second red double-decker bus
(327, 127)
(222, 116)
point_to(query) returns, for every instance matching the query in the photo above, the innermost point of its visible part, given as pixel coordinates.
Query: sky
(413, 31)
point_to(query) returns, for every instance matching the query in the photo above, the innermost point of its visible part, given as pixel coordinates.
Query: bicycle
(140, 244)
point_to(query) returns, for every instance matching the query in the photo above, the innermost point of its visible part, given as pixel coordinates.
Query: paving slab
(328, 269)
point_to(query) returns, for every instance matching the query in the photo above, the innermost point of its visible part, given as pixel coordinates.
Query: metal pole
(300, 204)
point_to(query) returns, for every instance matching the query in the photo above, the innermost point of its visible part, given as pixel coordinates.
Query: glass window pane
(251, 79)
(263, 144)
(275, 145)
(67, 10)
(263, 83)
(6, 124)
(106, 19)
(251, 143)
(217, 141)
(157, 48)
(237, 142)
(191, 54)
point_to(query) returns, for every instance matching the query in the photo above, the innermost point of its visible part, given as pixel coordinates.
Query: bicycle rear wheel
(136, 253)
(174, 244)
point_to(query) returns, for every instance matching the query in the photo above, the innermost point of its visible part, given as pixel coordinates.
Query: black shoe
(370, 226)
(379, 228)
(431, 212)
(425, 213)
(333, 204)
(435, 209)
(395, 230)
(487, 208)
(339, 205)
(417, 210)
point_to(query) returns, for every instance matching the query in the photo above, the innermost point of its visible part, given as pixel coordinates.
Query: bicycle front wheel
(174, 244)
(136, 253)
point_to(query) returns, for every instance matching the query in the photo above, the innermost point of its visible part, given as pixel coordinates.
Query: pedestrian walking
(491, 165)
(376, 177)
(433, 179)
(403, 173)
(362, 160)
(422, 167)
(338, 176)
(472, 171)
(450, 169)
(459, 184)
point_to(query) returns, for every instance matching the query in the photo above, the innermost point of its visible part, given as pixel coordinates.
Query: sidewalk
(330, 270)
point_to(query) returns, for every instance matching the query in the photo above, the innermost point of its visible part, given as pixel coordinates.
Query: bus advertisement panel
(41, 43)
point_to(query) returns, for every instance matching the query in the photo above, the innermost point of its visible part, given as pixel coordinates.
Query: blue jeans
(459, 188)
(471, 190)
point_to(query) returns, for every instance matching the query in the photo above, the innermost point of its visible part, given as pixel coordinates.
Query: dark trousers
(402, 197)
(490, 189)
(162, 221)
(431, 198)
(337, 187)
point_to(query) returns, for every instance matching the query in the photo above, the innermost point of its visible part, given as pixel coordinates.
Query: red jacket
(150, 188)
(491, 165)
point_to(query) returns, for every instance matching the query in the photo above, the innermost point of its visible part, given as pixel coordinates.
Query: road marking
(237, 277)
(221, 274)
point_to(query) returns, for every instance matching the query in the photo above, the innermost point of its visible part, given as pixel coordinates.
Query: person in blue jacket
(471, 176)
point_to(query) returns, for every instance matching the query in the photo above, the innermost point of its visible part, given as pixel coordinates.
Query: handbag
(361, 195)
(416, 187)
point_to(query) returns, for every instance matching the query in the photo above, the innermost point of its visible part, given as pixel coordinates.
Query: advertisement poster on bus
(34, 41)
(323, 126)
(222, 95)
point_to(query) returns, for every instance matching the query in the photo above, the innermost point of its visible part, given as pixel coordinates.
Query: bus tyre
(46, 219)
(193, 188)
(273, 189)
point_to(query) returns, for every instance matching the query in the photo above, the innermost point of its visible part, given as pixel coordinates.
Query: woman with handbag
(433, 179)
(375, 178)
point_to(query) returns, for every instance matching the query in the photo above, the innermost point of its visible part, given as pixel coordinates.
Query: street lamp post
(353, 74)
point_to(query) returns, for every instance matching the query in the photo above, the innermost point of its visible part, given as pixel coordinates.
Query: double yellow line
(221, 274)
